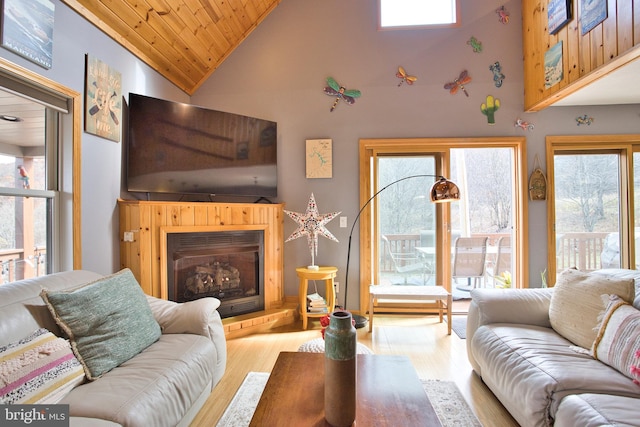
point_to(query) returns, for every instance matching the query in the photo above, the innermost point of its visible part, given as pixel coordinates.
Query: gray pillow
(108, 321)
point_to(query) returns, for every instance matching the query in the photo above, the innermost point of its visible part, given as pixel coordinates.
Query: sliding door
(592, 209)
(407, 219)
(407, 240)
(484, 219)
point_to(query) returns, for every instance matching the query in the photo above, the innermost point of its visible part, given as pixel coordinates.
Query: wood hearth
(143, 228)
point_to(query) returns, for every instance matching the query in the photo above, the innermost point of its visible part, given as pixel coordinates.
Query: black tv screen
(185, 149)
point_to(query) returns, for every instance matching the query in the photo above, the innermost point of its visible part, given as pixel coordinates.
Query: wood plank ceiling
(184, 40)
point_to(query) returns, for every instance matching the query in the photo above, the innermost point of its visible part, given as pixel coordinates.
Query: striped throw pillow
(618, 339)
(40, 368)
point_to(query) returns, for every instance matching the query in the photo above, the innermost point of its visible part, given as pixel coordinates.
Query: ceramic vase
(340, 370)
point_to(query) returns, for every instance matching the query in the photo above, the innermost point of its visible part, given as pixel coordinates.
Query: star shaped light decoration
(312, 224)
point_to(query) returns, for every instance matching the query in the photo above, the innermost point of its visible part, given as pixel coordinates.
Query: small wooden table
(412, 293)
(388, 393)
(322, 273)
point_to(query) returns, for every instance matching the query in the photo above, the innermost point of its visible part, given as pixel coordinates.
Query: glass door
(407, 221)
(482, 222)
(407, 240)
(587, 210)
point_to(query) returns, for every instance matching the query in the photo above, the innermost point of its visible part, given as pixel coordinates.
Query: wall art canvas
(319, 155)
(559, 13)
(553, 71)
(27, 29)
(592, 12)
(103, 100)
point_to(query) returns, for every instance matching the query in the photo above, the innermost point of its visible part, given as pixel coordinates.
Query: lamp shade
(444, 190)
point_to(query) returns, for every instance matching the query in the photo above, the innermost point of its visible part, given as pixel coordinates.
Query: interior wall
(101, 158)
(278, 73)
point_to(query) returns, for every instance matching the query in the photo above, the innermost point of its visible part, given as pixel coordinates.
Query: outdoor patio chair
(405, 263)
(427, 252)
(469, 261)
(502, 261)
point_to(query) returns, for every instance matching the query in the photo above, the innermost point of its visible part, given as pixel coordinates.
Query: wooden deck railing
(579, 250)
(13, 265)
(398, 244)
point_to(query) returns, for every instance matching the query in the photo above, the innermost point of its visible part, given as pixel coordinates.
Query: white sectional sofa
(164, 383)
(531, 349)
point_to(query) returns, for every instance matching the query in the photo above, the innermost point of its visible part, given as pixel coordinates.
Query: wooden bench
(412, 293)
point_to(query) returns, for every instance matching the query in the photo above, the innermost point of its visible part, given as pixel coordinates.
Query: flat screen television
(180, 148)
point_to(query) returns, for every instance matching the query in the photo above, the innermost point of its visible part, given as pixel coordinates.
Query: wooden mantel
(142, 224)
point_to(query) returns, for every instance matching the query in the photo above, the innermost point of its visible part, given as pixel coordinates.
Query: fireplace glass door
(225, 265)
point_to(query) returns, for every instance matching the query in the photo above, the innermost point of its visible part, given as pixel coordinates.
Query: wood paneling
(148, 220)
(607, 47)
(184, 40)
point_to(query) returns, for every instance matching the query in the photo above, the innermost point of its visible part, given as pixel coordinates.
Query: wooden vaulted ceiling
(184, 40)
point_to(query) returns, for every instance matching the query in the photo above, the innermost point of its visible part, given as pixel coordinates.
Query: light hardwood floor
(433, 353)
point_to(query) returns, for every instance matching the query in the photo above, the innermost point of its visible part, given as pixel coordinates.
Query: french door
(406, 239)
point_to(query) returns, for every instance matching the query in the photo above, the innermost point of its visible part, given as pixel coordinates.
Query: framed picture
(592, 12)
(553, 71)
(559, 14)
(103, 100)
(318, 155)
(27, 29)
(242, 150)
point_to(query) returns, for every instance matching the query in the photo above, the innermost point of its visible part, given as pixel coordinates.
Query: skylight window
(417, 13)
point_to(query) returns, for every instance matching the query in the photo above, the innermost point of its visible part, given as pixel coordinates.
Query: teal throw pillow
(108, 321)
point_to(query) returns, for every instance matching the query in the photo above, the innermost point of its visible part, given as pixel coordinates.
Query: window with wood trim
(592, 207)
(28, 187)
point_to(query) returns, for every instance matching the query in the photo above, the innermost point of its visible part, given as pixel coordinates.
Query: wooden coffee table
(388, 393)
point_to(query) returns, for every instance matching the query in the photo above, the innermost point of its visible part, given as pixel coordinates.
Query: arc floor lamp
(442, 191)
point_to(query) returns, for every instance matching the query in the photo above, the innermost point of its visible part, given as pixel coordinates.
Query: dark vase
(340, 370)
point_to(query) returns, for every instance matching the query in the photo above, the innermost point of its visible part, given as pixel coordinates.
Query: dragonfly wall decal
(459, 83)
(404, 77)
(334, 89)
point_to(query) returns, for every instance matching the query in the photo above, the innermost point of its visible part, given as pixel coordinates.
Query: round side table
(322, 273)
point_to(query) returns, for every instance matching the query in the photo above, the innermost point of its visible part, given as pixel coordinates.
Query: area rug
(459, 326)
(447, 401)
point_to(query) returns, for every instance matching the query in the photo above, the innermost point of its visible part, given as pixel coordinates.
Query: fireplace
(228, 265)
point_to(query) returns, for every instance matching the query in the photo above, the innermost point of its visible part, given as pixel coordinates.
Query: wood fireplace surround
(143, 229)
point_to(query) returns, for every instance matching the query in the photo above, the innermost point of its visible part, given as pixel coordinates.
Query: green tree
(584, 184)
(489, 188)
(406, 204)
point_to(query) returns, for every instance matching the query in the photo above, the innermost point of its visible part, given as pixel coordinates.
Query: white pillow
(576, 303)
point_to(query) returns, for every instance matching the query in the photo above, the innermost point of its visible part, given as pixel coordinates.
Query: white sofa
(165, 384)
(539, 376)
